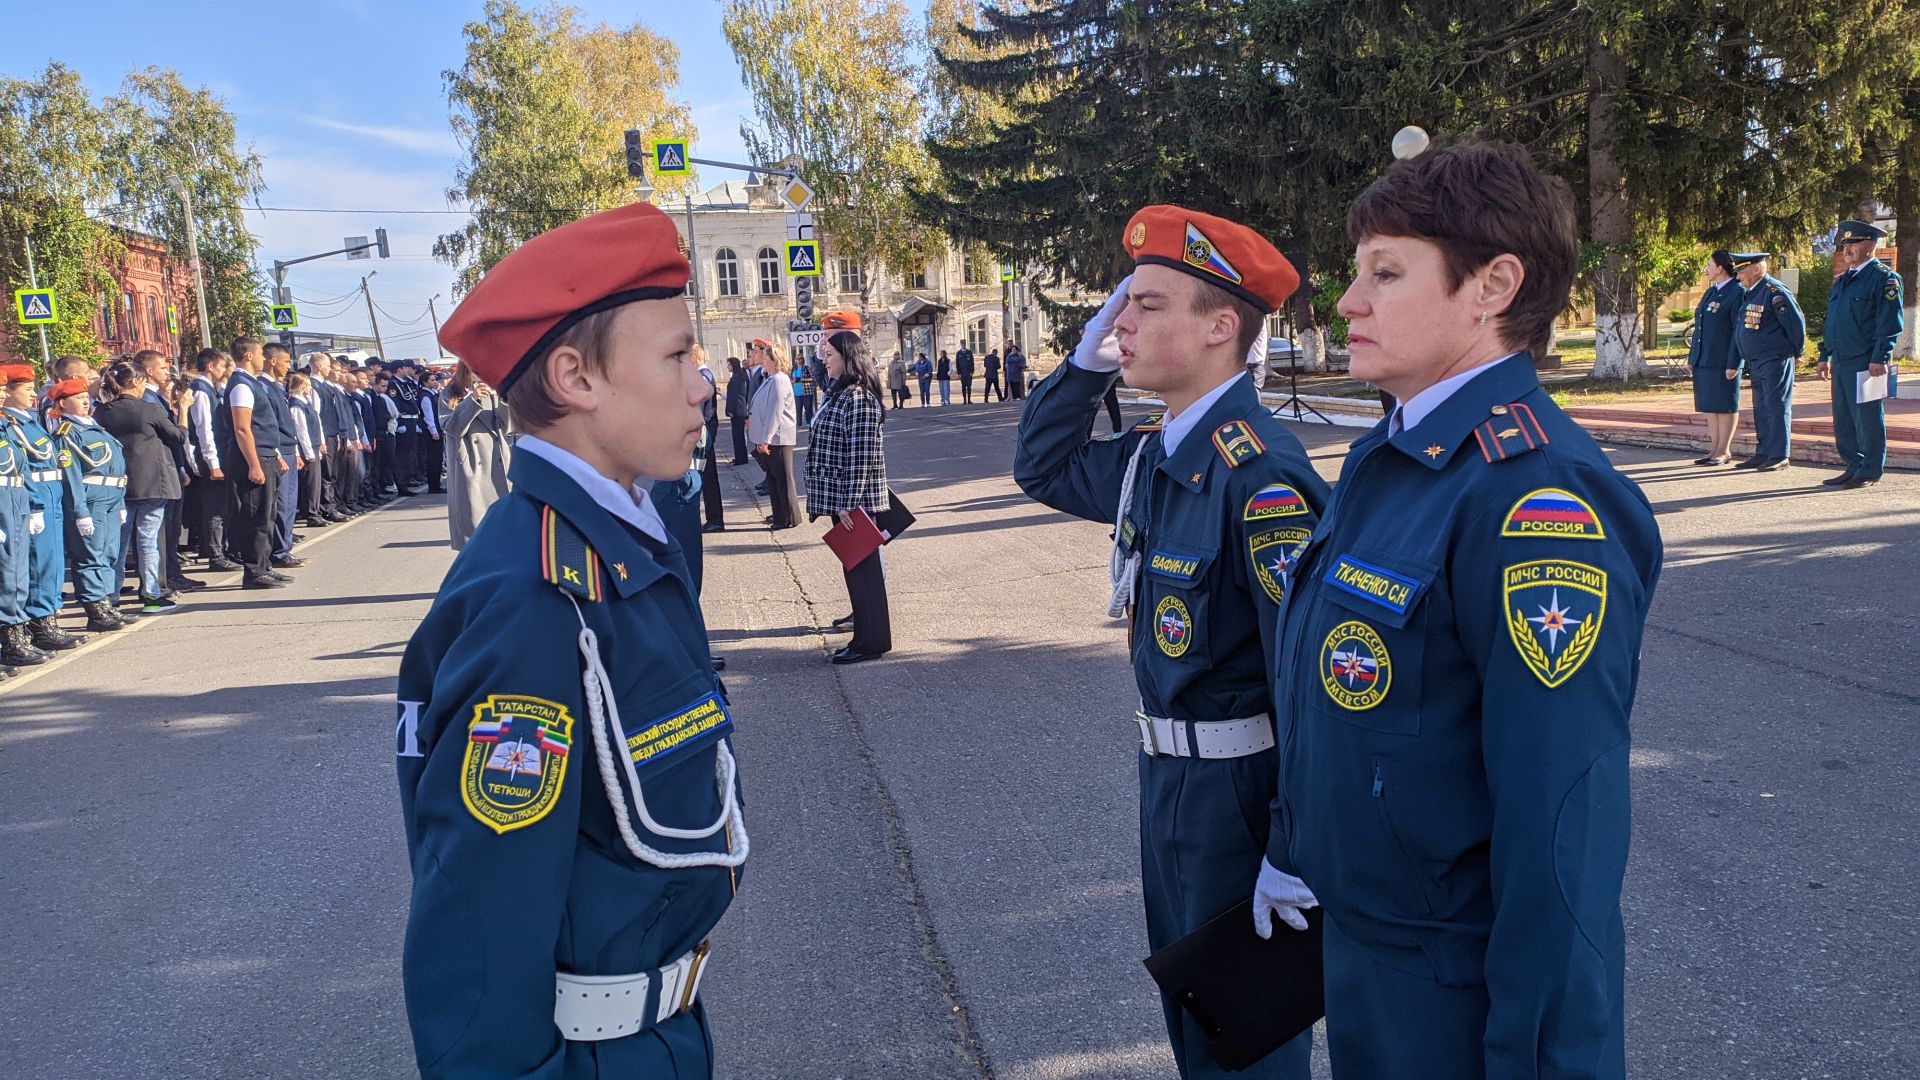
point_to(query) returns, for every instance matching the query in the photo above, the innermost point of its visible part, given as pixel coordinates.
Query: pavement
(201, 853)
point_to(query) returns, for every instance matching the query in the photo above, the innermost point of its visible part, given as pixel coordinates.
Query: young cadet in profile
(572, 811)
(1208, 503)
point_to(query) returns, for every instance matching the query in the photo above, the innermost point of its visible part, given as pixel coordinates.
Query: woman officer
(1713, 360)
(1461, 643)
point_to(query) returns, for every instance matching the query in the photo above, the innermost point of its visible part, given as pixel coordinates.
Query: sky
(343, 101)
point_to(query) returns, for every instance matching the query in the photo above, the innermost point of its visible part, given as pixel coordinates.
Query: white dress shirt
(1175, 428)
(630, 505)
(1421, 405)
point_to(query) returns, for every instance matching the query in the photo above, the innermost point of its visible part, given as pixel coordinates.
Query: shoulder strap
(566, 560)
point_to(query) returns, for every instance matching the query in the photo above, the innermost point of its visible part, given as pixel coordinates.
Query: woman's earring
(1483, 318)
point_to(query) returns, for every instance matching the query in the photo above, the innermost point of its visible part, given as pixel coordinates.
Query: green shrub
(1683, 315)
(1816, 278)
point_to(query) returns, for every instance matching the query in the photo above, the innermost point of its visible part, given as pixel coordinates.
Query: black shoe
(845, 656)
(280, 577)
(101, 619)
(844, 622)
(719, 662)
(1773, 465)
(47, 636)
(1859, 482)
(126, 614)
(288, 562)
(1753, 462)
(223, 566)
(336, 517)
(263, 583)
(436, 491)
(16, 648)
(1838, 481)
(715, 527)
(299, 538)
(186, 584)
(1708, 460)
(314, 523)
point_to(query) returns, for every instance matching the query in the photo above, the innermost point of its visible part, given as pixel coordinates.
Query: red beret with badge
(840, 320)
(550, 283)
(1215, 250)
(66, 388)
(15, 373)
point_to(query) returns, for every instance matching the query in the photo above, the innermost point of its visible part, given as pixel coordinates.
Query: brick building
(134, 316)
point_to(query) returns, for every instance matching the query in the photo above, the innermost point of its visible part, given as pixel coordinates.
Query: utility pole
(33, 282)
(436, 319)
(693, 280)
(193, 247)
(368, 293)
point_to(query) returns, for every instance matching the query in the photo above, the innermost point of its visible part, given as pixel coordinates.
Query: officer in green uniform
(571, 802)
(1769, 336)
(1209, 503)
(1460, 649)
(1864, 320)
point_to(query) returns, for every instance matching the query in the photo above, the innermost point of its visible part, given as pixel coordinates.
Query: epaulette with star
(566, 560)
(1152, 423)
(1510, 431)
(1237, 443)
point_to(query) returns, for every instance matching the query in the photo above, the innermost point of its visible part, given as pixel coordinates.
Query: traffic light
(636, 155)
(803, 298)
(380, 241)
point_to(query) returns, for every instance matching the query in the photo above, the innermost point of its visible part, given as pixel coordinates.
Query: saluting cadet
(16, 649)
(1713, 361)
(1864, 320)
(1460, 645)
(572, 811)
(1769, 337)
(99, 468)
(50, 490)
(1209, 502)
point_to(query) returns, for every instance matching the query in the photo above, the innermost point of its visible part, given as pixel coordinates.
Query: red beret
(15, 373)
(840, 320)
(551, 282)
(1215, 250)
(66, 388)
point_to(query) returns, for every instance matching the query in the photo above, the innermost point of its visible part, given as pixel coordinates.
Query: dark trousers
(992, 387)
(207, 500)
(253, 513)
(407, 463)
(1017, 384)
(899, 398)
(433, 452)
(1859, 431)
(312, 482)
(1382, 1020)
(384, 465)
(872, 624)
(966, 388)
(710, 478)
(780, 494)
(1113, 405)
(171, 569)
(741, 451)
(1772, 407)
(348, 476)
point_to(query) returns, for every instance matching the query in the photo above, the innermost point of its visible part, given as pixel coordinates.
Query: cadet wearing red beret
(565, 770)
(1209, 503)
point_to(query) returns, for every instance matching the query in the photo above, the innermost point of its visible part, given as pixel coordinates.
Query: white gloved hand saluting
(83, 526)
(1282, 894)
(1257, 358)
(1099, 348)
(36, 523)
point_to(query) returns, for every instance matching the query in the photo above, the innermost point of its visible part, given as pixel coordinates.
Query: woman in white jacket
(773, 429)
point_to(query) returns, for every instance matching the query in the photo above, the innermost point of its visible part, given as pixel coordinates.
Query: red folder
(853, 543)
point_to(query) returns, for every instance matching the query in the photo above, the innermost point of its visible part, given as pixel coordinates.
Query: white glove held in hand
(1276, 893)
(1099, 348)
(1257, 358)
(83, 526)
(36, 523)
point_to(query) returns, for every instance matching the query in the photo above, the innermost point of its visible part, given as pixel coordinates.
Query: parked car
(1281, 356)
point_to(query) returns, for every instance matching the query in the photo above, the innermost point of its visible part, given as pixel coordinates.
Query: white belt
(13, 481)
(1204, 738)
(44, 476)
(105, 481)
(590, 1008)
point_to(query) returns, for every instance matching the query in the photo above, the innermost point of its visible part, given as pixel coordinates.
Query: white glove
(36, 523)
(83, 526)
(123, 516)
(1257, 358)
(1099, 348)
(1277, 893)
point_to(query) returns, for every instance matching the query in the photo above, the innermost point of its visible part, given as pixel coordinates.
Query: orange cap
(840, 320)
(1215, 250)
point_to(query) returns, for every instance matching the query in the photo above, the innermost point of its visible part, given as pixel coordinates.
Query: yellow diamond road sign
(36, 307)
(670, 159)
(803, 258)
(796, 193)
(285, 317)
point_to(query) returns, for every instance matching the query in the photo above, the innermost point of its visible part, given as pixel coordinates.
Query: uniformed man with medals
(571, 804)
(1209, 502)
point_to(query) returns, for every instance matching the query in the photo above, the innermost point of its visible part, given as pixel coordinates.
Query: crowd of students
(140, 468)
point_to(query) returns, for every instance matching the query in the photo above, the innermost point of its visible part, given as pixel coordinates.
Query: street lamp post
(368, 293)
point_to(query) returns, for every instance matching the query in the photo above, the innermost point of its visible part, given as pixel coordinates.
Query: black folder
(1249, 996)
(895, 519)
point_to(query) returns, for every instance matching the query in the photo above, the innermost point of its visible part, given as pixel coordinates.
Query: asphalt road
(201, 858)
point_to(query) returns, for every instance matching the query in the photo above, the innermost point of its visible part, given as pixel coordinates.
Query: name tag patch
(1170, 566)
(1127, 533)
(1395, 592)
(673, 732)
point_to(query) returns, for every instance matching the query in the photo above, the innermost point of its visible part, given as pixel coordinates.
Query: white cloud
(415, 139)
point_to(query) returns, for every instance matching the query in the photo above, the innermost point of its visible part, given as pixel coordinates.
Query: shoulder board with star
(566, 560)
(1237, 444)
(1152, 423)
(1509, 431)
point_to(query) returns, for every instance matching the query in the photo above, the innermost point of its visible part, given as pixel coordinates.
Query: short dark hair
(205, 359)
(1209, 298)
(67, 367)
(147, 356)
(274, 348)
(531, 395)
(1478, 200)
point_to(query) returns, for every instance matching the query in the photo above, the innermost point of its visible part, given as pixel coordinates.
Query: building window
(726, 269)
(106, 319)
(976, 268)
(153, 317)
(853, 276)
(133, 327)
(919, 279)
(769, 260)
(977, 338)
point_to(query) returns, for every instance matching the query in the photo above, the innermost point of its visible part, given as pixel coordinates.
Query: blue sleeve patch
(1395, 592)
(1175, 567)
(679, 729)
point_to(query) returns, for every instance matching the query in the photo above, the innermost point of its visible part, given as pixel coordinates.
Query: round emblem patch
(1354, 666)
(1172, 626)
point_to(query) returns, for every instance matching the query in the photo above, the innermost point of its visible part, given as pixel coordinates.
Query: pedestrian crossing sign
(803, 258)
(173, 320)
(285, 317)
(1006, 271)
(670, 159)
(36, 307)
